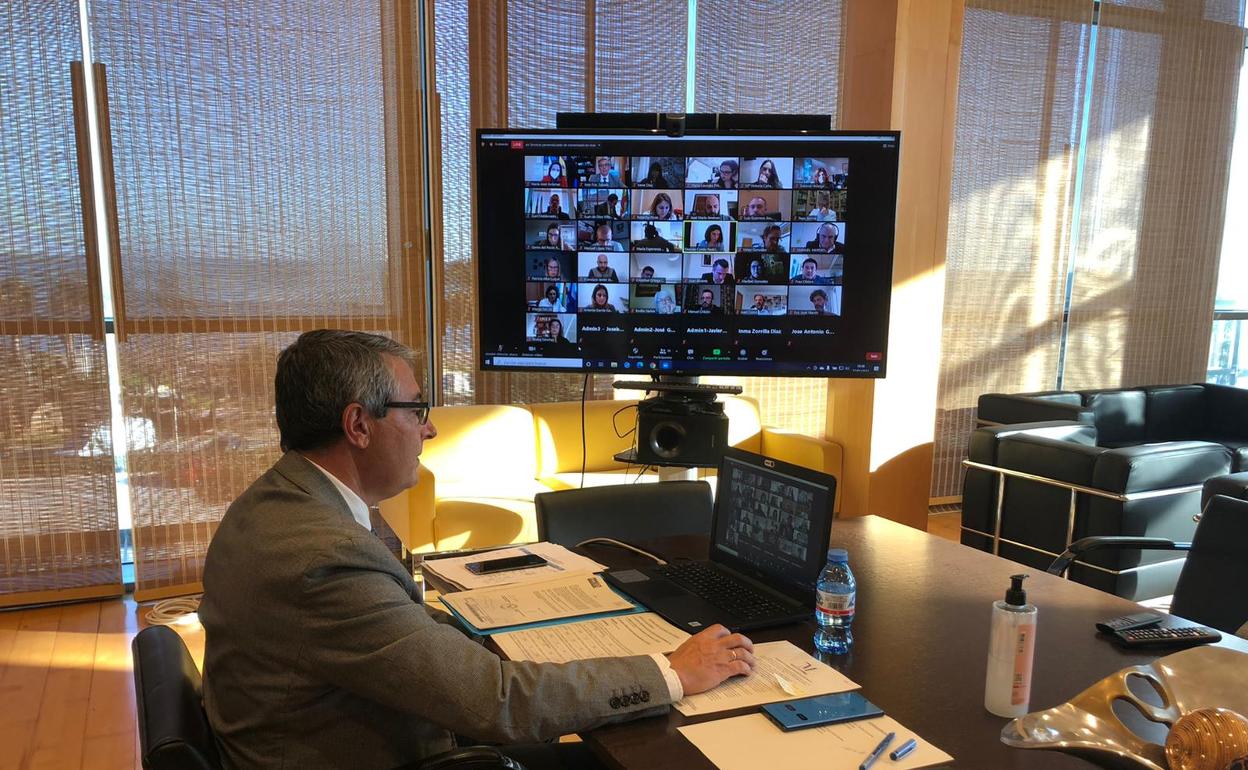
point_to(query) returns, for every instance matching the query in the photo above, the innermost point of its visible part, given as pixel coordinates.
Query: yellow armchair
(478, 476)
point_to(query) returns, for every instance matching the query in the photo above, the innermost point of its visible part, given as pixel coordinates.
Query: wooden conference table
(920, 647)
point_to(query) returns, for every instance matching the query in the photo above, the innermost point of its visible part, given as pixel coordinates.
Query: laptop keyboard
(725, 592)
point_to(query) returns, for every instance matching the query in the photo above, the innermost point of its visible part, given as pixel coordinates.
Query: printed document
(753, 741)
(559, 561)
(781, 672)
(563, 597)
(611, 637)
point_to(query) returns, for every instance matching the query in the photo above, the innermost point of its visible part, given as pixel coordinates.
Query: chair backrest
(1213, 586)
(624, 512)
(174, 733)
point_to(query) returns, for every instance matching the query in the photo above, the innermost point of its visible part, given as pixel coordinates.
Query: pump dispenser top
(1015, 594)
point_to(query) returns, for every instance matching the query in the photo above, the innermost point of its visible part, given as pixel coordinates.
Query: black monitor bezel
(625, 133)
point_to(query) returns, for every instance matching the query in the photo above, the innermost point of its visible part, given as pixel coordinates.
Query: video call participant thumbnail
(660, 205)
(763, 300)
(656, 236)
(757, 236)
(557, 297)
(766, 173)
(540, 203)
(811, 271)
(602, 235)
(603, 203)
(546, 171)
(817, 301)
(603, 297)
(720, 272)
(818, 173)
(600, 171)
(718, 172)
(644, 298)
(820, 205)
(555, 332)
(656, 172)
(709, 299)
(655, 267)
(818, 238)
(716, 236)
(545, 234)
(548, 266)
(769, 205)
(710, 205)
(551, 326)
(753, 267)
(606, 266)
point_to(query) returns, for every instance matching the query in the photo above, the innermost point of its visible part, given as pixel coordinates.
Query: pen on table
(903, 750)
(874, 755)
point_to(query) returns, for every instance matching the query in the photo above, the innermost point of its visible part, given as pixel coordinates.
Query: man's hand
(710, 657)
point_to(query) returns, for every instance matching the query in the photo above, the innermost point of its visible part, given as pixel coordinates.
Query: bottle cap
(838, 555)
(1016, 595)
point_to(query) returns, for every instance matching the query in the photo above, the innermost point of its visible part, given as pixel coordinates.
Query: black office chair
(1213, 584)
(624, 512)
(174, 733)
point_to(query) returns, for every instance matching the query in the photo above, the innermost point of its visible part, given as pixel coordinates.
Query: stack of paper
(754, 741)
(559, 561)
(569, 596)
(617, 636)
(778, 665)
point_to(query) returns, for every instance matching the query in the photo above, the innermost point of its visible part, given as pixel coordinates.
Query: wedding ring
(733, 653)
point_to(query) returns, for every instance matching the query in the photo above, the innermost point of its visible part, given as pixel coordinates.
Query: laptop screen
(772, 519)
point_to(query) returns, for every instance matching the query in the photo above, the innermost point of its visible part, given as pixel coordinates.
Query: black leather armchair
(1123, 462)
(1212, 587)
(1132, 416)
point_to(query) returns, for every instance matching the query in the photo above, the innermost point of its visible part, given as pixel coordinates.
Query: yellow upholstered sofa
(479, 475)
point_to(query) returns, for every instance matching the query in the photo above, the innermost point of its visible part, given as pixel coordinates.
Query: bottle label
(1024, 640)
(834, 604)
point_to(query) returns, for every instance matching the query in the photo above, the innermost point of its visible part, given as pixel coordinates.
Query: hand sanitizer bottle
(1011, 644)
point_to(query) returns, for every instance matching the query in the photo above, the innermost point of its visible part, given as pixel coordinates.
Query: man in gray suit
(317, 651)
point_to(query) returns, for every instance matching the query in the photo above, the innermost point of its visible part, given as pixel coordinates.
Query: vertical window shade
(1153, 204)
(254, 202)
(1132, 223)
(777, 58)
(1019, 103)
(640, 49)
(538, 54)
(769, 57)
(58, 519)
(458, 306)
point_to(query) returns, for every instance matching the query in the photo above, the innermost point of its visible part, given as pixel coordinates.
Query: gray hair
(323, 372)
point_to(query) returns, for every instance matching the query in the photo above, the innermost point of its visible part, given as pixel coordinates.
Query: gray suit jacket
(316, 654)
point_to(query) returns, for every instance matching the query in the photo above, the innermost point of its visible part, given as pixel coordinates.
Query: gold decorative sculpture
(1086, 725)
(1207, 739)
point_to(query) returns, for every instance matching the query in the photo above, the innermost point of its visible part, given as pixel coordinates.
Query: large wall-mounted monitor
(711, 253)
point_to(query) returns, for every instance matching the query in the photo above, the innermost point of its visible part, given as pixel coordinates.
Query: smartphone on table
(505, 564)
(821, 710)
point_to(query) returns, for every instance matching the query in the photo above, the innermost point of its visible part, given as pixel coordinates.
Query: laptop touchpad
(629, 575)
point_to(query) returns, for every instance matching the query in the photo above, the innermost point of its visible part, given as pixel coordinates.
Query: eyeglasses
(420, 407)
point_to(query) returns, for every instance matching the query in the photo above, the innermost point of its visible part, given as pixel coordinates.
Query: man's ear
(357, 425)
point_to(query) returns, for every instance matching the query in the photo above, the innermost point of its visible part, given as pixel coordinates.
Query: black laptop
(769, 540)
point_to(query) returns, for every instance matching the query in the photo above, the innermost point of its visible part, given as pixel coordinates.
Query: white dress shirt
(359, 508)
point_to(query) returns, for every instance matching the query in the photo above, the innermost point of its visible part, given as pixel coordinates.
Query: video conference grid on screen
(687, 245)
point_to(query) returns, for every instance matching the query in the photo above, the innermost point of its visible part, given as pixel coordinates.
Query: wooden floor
(67, 687)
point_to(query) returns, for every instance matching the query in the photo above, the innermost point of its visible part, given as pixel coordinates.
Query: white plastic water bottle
(835, 595)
